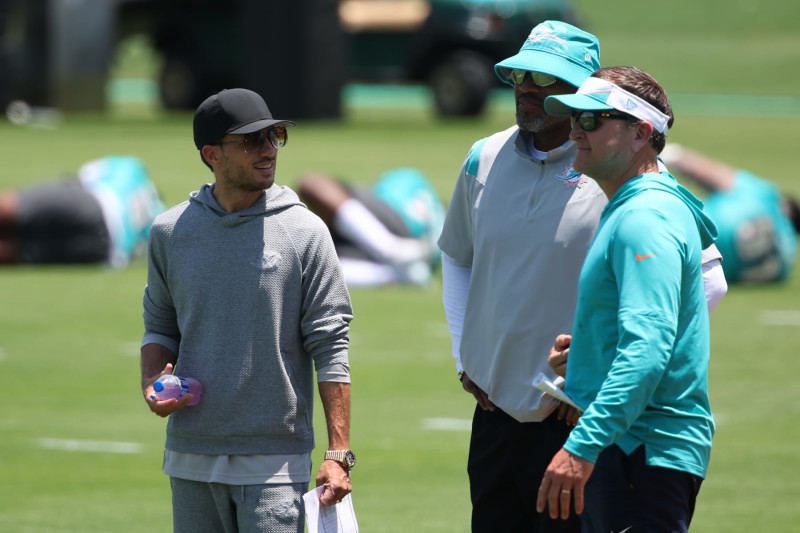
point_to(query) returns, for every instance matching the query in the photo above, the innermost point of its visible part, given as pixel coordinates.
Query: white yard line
(92, 446)
(447, 424)
(780, 318)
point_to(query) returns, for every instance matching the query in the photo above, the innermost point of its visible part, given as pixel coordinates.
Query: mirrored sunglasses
(587, 120)
(253, 143)
(539, 79)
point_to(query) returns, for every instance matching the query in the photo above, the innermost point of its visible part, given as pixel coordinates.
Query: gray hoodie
(252, 299)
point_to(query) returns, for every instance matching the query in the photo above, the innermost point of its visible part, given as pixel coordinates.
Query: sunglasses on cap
(253, 143)
(587, 120)
(540, 79)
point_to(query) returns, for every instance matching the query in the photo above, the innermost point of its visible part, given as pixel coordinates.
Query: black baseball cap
(231, 111)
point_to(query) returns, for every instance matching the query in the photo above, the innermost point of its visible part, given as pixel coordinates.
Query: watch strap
(335, 455)
(346, 458)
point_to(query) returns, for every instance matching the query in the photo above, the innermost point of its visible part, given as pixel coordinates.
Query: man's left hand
(564, 478)
(336, 481)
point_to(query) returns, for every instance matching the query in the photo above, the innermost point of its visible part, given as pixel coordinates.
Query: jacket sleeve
(455, 287)
(326, 308)
(159, 310)
(647, 267)
(456, 239)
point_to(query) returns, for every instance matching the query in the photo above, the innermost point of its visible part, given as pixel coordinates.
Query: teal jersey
(129, 200)
(757, 241)
(638, 360)
(415, 200)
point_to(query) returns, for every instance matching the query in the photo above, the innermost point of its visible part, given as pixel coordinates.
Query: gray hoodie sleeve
(159, 311)
(326, 308)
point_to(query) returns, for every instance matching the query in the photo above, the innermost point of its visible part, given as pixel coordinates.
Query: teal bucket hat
(558, 49)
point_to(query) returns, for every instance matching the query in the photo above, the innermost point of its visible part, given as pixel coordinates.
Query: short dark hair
(644, 86)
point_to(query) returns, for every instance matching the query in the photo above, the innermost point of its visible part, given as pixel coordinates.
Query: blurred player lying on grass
(102, 214)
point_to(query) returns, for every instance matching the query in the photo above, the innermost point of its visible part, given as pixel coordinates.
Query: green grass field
(80, 451)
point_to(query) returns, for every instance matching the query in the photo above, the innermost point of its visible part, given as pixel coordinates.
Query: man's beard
(533, 125)
(239, 176)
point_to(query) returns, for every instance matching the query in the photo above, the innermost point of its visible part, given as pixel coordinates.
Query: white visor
(596, 94)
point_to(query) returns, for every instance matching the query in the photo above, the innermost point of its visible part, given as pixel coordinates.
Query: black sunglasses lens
(278, 137)
(587, 121)
(254, 142)
(540, 79)
(543, 80)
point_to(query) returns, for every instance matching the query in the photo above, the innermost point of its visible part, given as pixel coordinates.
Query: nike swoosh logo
(640, 257)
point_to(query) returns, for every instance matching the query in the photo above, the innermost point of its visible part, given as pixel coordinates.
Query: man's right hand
(480, 396)
(559, 354)
(164, 408)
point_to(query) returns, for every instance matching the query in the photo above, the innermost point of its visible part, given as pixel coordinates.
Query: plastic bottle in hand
(170, 386)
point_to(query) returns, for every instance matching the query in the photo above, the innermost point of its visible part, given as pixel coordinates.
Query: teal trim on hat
(563, 105)
(558, 49)
(597, 94)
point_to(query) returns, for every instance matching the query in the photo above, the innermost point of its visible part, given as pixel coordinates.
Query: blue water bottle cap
(158, 386)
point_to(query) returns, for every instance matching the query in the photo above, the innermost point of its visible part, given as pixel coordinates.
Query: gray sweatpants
(199, 507)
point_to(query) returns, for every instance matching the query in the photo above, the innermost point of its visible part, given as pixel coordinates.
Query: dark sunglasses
(539, 79)
(587, 120)
(253, 143)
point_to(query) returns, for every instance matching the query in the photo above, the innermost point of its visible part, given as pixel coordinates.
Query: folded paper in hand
(544, 384)
(339, 518)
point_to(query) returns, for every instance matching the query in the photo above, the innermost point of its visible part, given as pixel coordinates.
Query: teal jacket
(638, 360)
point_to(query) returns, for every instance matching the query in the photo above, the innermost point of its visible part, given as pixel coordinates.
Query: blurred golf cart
(449, 45)
(58, 52)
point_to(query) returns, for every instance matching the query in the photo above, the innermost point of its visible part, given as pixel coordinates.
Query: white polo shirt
(524, 227)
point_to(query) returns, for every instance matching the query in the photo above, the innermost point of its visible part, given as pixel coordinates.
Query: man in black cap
(245, 294)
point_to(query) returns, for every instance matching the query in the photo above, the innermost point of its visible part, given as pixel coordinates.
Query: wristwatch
(461, 375)
(346, 458)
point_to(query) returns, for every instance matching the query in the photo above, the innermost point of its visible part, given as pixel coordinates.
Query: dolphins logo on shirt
(269, 260)
(571, 177)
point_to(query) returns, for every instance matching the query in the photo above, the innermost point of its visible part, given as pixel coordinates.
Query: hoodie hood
(665, 182)
(275, 199)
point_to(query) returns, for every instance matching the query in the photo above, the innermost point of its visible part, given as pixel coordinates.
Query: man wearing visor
(638, 356)
(245, 294)
(517, 229)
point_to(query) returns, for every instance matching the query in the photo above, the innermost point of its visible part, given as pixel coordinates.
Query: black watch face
(350, 458)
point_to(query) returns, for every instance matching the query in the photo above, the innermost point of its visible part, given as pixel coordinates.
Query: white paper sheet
(544, 384)
(339, 518)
